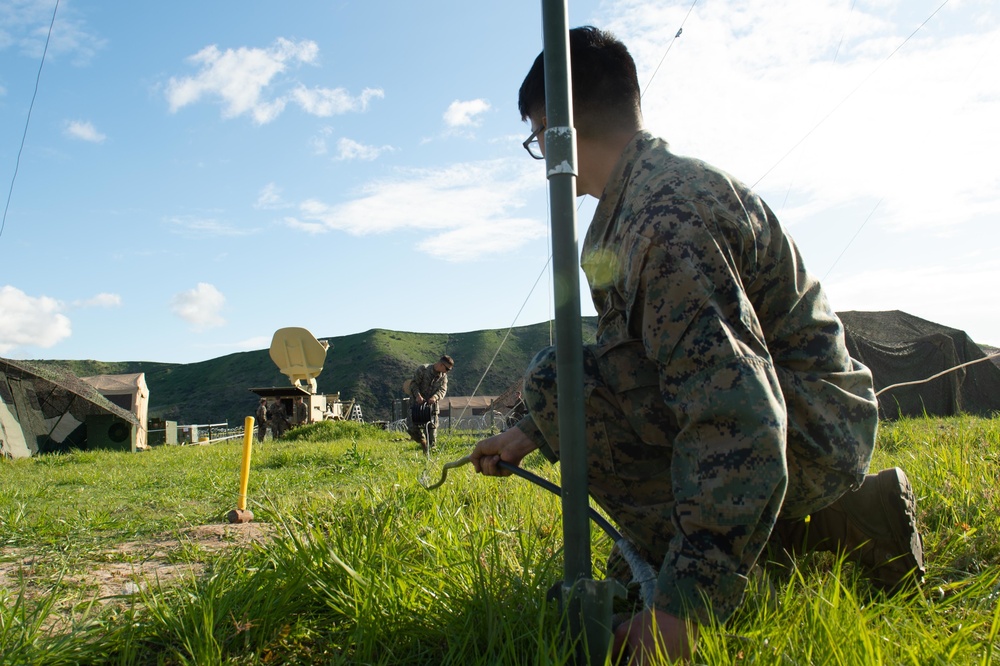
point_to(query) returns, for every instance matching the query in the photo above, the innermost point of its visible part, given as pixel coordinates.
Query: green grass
(359, 564)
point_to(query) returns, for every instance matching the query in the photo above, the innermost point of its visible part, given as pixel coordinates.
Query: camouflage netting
(899, 347)
(51, 405)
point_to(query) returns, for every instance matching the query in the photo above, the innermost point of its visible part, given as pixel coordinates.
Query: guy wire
(847, 97)
(669, 46)
(24, 135)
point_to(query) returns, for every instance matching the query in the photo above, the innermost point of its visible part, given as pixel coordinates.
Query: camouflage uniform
(278, 418)
(261, 417)
(301, 412)
(428, 383)
(719, 392)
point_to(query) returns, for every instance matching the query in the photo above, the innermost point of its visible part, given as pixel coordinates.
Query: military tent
(900, 348)
(45, 409)
(129, 392)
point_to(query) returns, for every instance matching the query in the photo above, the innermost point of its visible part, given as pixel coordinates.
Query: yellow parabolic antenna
(298, 355)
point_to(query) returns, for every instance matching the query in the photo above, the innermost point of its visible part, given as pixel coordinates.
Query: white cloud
(466, 114)
(317, 143)
(325, 102)
(200, 306)
(348, 149)
(269, 198)
(307, 227)
(25, 25)
(748, 83)
(190, 225)
(464, 211)
(254, 343)
(102, 300)
(241, 77)
(29, 321)
(84, 130)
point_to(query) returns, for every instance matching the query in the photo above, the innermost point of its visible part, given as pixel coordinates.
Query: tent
(899, 347)
(45, 409)
(129, 392)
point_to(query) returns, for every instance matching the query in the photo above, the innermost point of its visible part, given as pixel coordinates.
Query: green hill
(369, 367)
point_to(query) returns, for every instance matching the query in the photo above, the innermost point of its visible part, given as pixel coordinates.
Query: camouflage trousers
(630, 434)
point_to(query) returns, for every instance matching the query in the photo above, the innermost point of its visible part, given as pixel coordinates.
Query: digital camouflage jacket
(704, 301)
(429, 383)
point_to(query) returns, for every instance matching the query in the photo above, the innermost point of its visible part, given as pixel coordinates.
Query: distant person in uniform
(519, 410)
(301, 411)
(723, 412)
(278, 419)
(428, 387)
(261, 417)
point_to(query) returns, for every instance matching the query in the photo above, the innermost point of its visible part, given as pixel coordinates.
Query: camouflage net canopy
(899, 347)
(47, 409)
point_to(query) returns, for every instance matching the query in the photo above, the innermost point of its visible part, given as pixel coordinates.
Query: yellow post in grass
(241, 514)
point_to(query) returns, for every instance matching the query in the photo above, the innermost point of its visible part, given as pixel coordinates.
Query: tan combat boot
(874, 526)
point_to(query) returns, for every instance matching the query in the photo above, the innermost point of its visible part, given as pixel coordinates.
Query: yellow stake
(241, 514)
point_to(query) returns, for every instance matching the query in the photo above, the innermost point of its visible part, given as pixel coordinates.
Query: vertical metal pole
(587, 603)
(560, 164)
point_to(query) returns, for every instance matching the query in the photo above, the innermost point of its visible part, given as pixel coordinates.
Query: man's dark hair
(605, 84)
(447, 360)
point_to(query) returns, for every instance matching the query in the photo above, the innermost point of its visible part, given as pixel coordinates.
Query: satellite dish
(298, 355)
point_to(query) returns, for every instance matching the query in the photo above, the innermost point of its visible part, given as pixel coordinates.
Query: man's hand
(431, 400)
(651, 633)
(510, 446)
(419, 399)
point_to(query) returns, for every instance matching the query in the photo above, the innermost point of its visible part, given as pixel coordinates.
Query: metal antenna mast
(587, 603)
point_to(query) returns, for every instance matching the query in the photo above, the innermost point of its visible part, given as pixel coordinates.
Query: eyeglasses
(531, 144)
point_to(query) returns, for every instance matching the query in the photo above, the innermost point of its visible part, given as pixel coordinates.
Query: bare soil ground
(130, 567)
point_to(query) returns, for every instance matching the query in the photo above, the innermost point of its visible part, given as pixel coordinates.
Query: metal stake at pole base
(586, 609)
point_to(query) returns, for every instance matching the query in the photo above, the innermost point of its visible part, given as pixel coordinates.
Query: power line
(24, 135)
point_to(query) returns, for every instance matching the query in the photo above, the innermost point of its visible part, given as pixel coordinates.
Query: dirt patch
(125, 569)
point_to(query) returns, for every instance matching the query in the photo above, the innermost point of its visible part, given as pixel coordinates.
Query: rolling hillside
(369, 367)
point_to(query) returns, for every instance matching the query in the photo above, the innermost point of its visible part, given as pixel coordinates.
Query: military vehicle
(300, 356)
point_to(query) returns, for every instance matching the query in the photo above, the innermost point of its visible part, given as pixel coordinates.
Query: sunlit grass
(362, 565)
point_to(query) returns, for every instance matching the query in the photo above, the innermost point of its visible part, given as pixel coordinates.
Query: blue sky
(196, 175)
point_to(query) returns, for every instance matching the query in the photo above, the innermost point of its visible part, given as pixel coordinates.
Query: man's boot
(874, 526)
(431, 435)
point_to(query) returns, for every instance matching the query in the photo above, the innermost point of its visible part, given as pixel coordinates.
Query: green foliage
(362, 565)
(333, 431)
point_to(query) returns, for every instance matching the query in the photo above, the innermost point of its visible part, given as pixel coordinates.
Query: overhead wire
(848, 96)
(842, 252)
(680, 30)
(670, 45)
(27, 120)
(836, 54)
